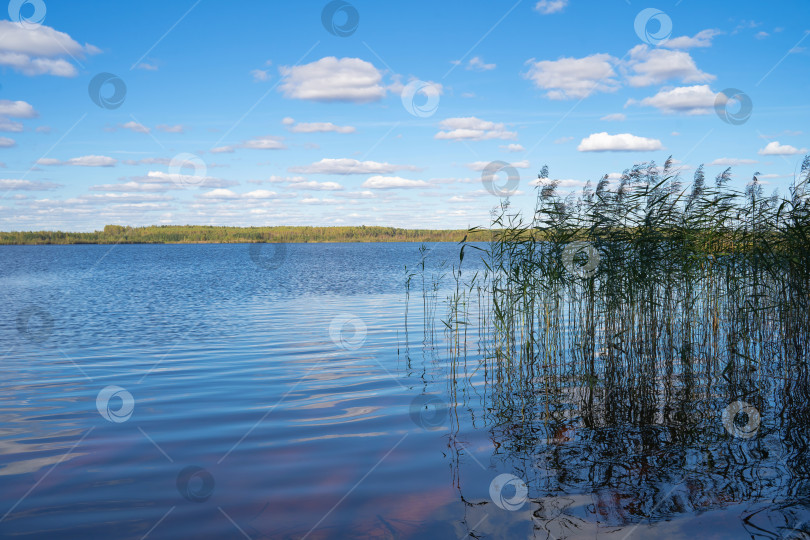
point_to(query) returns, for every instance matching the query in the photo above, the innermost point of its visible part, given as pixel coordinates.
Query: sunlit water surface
(277, 393)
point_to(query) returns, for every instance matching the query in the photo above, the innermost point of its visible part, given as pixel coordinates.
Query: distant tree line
(189, 234)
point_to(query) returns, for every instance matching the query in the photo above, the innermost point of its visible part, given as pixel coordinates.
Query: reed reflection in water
(642, 380)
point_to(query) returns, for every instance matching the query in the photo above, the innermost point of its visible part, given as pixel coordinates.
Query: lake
(276, 391)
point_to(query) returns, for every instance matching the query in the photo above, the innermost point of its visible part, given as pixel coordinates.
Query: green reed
(700, 298)
(699, 276)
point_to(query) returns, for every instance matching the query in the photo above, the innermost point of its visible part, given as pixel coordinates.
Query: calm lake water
(235, 391)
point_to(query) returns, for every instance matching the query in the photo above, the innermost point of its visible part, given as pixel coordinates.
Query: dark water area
(302, 391)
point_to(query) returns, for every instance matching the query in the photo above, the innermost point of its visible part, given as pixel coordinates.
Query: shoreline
(212, 242)
(209, 234)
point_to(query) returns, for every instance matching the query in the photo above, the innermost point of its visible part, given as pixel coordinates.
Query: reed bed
(649, 269)
(633, 314)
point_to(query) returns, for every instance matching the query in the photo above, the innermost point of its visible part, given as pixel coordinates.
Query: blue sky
(262, 114)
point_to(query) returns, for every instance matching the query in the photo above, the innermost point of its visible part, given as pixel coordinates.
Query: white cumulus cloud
(701, 39)
(39, 50)
(393, 182)
(219, 194)
(10, 126)
(265, 142)
(183, 180)
(350, 166)
(621, 142)
(316, 186)
(17, 109)
(775, 149)
(333, 79)
(26, 185)
(135, 127)
(481, 165)
(647, 66)
(569, 78)
(476, 63)
(512, 147)
(689, 100)
(83, 161)
(547, 7)
(731, 162)
(472, 129)
(316, 127)
(260, 75)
